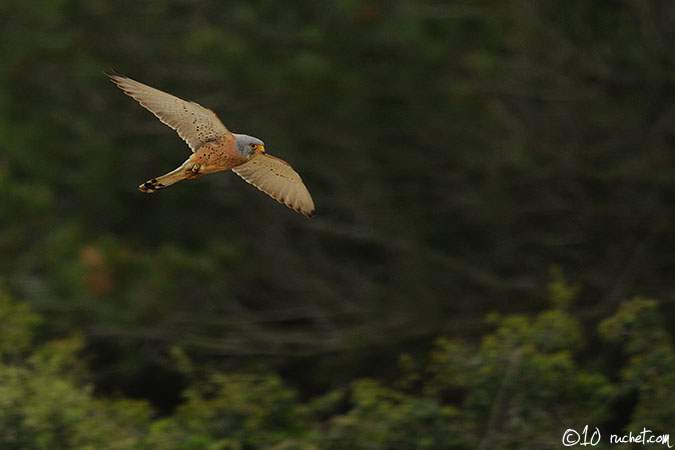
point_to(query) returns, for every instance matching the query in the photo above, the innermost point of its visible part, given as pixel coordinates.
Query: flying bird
(215, 148)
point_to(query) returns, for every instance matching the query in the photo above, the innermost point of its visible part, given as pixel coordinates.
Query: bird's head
(248, 146)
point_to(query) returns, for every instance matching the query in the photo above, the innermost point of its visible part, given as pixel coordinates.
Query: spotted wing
(193, 123)
(277, 179)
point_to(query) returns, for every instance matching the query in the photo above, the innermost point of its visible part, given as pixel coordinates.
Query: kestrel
(215, 148)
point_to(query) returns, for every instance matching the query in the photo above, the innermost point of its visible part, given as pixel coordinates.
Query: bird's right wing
(277, 179)
(193, 123)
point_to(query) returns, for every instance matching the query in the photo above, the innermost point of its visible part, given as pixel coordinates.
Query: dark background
(457, 153)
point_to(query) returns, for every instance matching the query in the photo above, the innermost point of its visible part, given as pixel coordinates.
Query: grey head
(248, 146)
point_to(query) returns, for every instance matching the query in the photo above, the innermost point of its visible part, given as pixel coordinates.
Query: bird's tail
(168, 179)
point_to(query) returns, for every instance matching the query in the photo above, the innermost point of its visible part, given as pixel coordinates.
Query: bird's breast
(216, 156)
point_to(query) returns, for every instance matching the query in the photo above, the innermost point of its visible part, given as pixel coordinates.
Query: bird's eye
(253, 146)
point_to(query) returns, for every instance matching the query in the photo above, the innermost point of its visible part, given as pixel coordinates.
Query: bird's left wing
(193, 123)
(277, 178)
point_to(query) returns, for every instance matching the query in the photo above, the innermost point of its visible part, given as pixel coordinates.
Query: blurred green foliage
(526, 382)
(456, 152)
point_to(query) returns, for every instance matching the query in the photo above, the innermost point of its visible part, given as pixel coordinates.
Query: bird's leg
(193, 171)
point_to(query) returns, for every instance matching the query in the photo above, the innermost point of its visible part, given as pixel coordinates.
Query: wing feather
(277, 179)
(193, 123)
